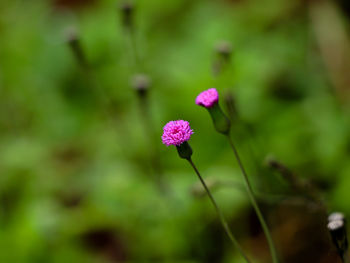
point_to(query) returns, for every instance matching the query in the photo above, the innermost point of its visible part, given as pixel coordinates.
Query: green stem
(221, 215)
(255, 204)
(134, 50)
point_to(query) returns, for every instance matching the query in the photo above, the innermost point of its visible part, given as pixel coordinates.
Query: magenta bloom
(176, 132)
(208, 98)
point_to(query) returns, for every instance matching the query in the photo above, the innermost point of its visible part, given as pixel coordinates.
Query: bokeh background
(83, 174)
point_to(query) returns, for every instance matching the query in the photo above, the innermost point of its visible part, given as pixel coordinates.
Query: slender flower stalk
(254, 203)
(223, 50)
(75, 44)
(178, 133)
(230, 104)
(219, 212)
(210, 100)
(223, 54)
(127, 9)
(141, 83)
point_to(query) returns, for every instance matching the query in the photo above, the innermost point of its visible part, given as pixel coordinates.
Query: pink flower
(208, 98)
(176, 132)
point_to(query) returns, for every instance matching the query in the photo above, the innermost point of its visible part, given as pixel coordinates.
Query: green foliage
(77, 183)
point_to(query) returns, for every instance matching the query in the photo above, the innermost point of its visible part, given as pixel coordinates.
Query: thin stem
(255, 204)
(154, 156)
(79, 53)
(221, 215)
(134, 49)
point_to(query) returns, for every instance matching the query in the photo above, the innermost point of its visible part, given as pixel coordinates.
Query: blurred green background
(84, 176)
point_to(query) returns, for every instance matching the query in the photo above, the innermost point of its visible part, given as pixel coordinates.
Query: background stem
(255, 204)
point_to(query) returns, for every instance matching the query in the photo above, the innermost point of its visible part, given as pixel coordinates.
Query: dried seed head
(336, 216)
(335, 225)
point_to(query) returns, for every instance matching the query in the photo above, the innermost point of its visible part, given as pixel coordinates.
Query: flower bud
(74, 43)
(127, 10)
(209, 99)
(141, 84)
(224, 49)
(221, 123)
(222, 56)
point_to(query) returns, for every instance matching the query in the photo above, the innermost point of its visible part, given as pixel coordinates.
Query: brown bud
(73, 40)
(141, 83)
(127, 10)
(224, 49)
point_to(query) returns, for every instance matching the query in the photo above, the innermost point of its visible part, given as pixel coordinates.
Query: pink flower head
(176, 132)
(208, 98)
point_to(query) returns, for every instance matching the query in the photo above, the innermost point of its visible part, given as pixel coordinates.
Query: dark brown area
(105, 242)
